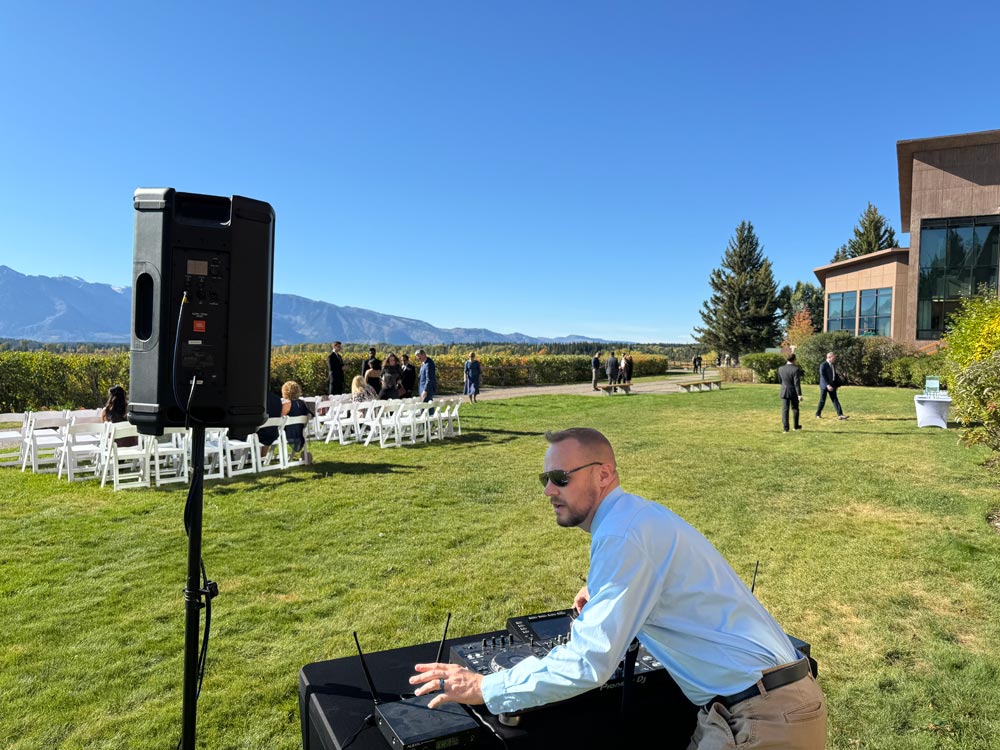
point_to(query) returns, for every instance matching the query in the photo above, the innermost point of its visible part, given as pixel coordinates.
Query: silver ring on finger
(441, 683)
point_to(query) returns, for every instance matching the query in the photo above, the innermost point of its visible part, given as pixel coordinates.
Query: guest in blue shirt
(428, 376)
(653, 577)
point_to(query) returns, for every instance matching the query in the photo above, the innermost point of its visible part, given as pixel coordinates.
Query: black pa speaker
(201, 311)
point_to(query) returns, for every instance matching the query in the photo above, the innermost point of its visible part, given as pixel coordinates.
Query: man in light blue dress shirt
(654, 577)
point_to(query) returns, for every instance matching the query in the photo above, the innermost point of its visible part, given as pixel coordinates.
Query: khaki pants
(792, 717)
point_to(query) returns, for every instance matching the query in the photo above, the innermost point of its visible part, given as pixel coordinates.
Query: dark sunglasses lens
(558, 477)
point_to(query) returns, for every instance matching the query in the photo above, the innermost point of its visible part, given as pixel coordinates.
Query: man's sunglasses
(559, 477)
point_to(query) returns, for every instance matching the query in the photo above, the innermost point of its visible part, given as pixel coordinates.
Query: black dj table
(334, 701)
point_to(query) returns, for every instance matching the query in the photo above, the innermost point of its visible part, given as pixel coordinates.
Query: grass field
(871, 534)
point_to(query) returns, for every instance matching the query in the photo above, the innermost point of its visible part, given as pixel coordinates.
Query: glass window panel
(868, 302)
(923, 314)
(958, 283)
(850, 304)
(986, 276)
(866, 324)
(948, 309)
(884, 324)
(931, 284)
(932, 244)
(987, 242)
(885, 302)
(959, 247)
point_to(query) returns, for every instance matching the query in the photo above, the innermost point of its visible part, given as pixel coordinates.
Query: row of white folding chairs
(82, 449)
(228, 456)
(391, 421)
(34, 437)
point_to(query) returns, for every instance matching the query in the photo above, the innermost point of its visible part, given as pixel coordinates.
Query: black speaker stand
(193, 591)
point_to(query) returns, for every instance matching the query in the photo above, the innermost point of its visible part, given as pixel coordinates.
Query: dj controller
(536, 635)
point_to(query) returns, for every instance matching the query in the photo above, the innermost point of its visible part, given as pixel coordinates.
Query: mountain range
(69, 309)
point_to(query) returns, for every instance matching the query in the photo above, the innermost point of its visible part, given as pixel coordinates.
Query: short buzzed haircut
(420, 351)
(588, 437)
(791, 357)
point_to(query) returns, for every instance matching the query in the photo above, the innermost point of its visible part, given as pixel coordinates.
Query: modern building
(949, 203)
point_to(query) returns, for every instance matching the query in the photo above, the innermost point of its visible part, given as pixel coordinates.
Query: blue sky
(544, 167)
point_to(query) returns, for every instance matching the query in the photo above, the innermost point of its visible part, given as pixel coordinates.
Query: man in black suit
(595, 366)
(335, 371)
(790, 376)
(829, 382)
(409, 377)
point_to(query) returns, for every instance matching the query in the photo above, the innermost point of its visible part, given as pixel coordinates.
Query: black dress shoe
(798, 428)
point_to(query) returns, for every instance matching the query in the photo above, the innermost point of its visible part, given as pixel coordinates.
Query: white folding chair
(321, 417)
(12, 433)
(169, 455)
(81, 452)
(86, 416)
(383, 422)
(346, 429)
(411, 422)
(242, 456)
(368, 413)
(127, 464)
(42, 441)
(215, 453)
(289, 457)
(454, 421)
(271, 458)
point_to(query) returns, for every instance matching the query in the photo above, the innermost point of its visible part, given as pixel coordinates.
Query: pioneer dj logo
(639, 679)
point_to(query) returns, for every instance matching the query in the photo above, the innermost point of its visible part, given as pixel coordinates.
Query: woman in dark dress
(292, 405)
(116, 410)
(473, 377)
(392, 375)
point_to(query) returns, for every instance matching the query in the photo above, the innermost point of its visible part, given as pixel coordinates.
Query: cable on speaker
(368, 721)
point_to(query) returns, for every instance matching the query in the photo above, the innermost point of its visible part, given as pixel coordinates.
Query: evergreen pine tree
(742, 314)
(873, 233)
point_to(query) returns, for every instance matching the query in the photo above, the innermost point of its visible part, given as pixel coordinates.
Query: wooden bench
(610, 388)
(706, 384)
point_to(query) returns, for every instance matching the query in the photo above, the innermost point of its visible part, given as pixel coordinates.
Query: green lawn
(871, 535)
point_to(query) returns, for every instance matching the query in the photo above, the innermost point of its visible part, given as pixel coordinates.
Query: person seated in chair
(292, 405)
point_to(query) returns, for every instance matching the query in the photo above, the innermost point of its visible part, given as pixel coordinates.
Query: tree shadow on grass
(486, 435)
(318, 470)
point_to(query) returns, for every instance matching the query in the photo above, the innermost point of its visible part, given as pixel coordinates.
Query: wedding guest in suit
(428, 376)
(790, 376)
(409, 377)
(611, 368)
(829, 382)
(473, 377)
(335, 370)
(595, 366)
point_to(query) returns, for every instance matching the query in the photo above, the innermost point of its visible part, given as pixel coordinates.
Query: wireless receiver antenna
(409, 724)
(364, 666)
(444, 636)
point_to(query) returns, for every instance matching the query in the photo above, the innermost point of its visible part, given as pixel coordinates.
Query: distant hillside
(65, 309)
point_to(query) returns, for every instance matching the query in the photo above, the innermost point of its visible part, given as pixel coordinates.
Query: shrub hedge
(973, 352)
(39, 380)
(764, 365)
